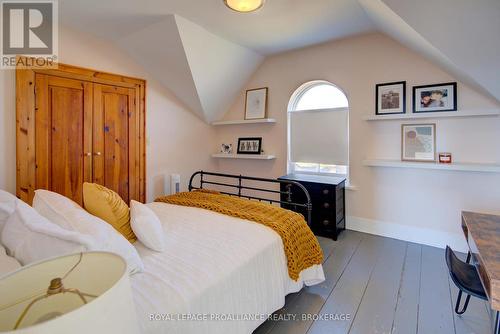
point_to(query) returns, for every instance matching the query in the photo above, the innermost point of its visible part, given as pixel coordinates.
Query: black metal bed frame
(241, 187)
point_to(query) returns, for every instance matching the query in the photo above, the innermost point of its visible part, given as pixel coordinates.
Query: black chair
(465, 277)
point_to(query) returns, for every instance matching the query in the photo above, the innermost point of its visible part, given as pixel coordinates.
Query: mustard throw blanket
(302, 249)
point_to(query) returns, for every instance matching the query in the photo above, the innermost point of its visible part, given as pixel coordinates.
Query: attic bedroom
(250, 166)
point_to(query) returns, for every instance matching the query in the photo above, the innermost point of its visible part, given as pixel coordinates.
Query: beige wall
(417, 205)
(177, 141)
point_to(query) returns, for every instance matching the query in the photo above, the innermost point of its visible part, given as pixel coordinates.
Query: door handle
(88, 154)
(97, 153)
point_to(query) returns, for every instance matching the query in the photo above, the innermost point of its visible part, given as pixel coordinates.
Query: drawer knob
(326, 191)
(326, 222)
(326, 205)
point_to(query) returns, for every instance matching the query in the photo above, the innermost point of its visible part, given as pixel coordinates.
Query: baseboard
(424, 236)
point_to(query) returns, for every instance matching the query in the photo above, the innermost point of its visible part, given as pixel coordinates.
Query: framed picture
(390, 98)
(435, 98)
(226, 148)
(256, 103)
(418, 142)
(249, 145)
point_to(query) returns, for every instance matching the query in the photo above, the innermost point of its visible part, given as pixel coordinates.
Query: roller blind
(319, 136)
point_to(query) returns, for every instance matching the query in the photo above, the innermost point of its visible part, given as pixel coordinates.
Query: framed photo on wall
(249, 145)
(435, 98)
(390, 98)
(418, 142)
(256, 103)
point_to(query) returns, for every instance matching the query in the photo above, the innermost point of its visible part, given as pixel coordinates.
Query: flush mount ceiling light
(244, 6)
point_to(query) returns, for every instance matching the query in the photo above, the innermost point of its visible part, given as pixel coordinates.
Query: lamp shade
(100, 274)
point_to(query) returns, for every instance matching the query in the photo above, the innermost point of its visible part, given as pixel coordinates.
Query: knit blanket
(302, 249)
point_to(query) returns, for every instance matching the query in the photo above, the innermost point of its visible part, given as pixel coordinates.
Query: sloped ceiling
(204, 71)
(460, 35)
(205, 53)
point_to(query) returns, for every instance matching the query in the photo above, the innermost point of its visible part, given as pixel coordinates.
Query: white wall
(177, 140)
(416, 205)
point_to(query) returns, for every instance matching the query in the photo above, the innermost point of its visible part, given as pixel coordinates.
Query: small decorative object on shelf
(445, 158)
(435, 98)
(226, 148)
(256, 103)
(390, 98)
(418, 142)
(250, 145)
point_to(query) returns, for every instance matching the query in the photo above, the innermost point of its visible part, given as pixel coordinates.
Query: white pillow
(67, 214)
(29, 237)
(146, 226)
(7, 263)
(7, 206)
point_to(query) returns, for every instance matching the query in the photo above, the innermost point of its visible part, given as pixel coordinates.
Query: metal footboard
(241, 189)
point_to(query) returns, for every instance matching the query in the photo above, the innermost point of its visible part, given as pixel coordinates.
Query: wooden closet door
(63, 109)
(116, 141)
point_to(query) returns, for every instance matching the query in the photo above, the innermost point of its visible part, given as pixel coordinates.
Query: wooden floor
(379, 285)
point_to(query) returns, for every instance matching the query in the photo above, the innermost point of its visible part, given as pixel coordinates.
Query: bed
(218, 274)
(213, 266)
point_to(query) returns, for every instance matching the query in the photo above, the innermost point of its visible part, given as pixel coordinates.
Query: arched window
(318, 129)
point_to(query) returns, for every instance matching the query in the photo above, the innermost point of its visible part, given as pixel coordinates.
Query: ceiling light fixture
(244, 6)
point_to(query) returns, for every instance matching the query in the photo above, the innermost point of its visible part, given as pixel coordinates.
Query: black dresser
(328, 202)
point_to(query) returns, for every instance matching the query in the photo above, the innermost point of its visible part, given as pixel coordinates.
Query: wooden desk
(482, 232)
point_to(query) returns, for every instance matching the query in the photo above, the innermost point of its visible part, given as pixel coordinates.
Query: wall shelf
(465, 167)
(244, 156)
(430, 115)
(246, 121)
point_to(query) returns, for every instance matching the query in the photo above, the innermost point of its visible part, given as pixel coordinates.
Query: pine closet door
(76, 125)
(116, 140)
(63, 109)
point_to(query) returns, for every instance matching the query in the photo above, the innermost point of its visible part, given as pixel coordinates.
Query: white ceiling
(279, 26)
(187, 37)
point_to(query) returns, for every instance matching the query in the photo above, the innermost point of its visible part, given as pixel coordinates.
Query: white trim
(244, 156)
(320, 110)
(245, 121)
(456, 166)
(431, 115)
(425, 236)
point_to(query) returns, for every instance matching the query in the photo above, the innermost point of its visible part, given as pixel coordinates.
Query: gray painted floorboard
(386, 286)
(405, 318)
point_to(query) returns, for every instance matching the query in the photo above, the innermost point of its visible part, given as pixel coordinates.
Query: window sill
(350, 187)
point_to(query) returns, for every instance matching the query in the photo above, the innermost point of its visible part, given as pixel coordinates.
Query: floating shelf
(430, 115)
(246, 121)
(244, 156)
(465, 167)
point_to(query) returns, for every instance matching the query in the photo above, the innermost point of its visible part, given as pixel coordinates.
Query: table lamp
(79, 293)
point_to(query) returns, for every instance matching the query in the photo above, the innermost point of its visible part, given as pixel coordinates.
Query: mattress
(217, 274)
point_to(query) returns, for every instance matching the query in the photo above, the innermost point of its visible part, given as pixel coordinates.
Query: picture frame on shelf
(435, 98)
(418, 142)
(256, 103)
(226, 148)
(249, 145)
(390, 98)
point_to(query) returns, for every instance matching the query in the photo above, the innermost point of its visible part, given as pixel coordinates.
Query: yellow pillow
(109, 206)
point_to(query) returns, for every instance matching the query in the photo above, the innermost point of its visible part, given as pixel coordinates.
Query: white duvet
(217, 274)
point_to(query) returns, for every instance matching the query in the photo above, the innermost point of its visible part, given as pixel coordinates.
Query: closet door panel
(63, 109)
(115, 152)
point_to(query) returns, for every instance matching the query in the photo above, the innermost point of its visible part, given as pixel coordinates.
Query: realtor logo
(29, 28)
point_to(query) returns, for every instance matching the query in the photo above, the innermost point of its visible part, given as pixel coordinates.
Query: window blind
(319, 136)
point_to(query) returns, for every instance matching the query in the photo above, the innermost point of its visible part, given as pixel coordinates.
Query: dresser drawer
(326, 223)
(325, 205)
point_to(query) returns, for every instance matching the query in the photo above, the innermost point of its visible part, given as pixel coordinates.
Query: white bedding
(212, 266)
